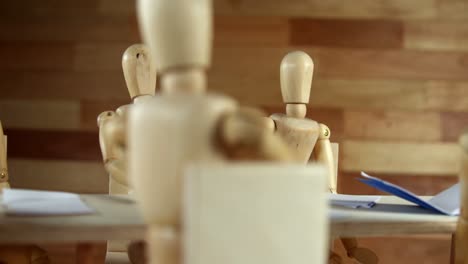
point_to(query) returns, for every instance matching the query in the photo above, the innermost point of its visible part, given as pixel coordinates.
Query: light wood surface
(404, 157)
(118, 217)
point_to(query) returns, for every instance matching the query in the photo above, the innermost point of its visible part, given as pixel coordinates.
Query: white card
(33, 202)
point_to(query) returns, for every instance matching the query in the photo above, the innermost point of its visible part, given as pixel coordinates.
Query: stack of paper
(31, 202)
(446, 202)
(353, 201)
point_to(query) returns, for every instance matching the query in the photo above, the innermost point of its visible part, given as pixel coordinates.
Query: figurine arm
(109, 123)
(323, 154)
(248, 133)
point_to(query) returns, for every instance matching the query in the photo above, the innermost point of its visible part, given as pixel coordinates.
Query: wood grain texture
(413, 126)
(251, 31)
(395, 157)
(69, 85)
(53, 144)
(40, 114)
(453, 125)
(72, 176)
(334, 8)
(72, 28)
(351, 33)
(436, 35)
(299, 8)
(36, 56)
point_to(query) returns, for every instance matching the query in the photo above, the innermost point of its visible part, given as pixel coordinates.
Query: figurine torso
(299, 133)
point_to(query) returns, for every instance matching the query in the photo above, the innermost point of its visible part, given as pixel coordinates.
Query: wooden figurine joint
(184, 80)
(324, 132)
(296, 110)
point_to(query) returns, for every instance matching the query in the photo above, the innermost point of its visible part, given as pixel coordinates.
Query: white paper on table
(33, 202)
(353, 201)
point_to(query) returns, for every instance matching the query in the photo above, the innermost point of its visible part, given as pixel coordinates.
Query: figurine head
(296, 80)
(179, 35)
(139, 71)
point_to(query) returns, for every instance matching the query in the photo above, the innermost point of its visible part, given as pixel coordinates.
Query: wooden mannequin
(310, 139)
(184, 124)
(140, 77)
(306, 136)
(11, 253)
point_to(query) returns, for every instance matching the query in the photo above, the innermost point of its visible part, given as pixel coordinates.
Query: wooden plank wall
(391, 81)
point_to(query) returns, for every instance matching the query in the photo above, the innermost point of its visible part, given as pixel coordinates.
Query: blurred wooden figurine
(184, 123)
(16, 254)
(310, 139)
(140, 77)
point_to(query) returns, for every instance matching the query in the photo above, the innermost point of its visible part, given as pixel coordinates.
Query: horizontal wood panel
(392, 125)
(235, 31)
(301, 8)
(36, 56)
(436, 35)
(40, 114)
(329, 9)
(53, 145)
(73, 176)
(396, 157)
(99, 57)
(73, 28)
(59, 85)
(351, 33)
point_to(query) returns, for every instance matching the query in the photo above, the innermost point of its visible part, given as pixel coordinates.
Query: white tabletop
(118, 218)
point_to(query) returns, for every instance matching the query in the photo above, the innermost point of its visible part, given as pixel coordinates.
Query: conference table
(117, 218)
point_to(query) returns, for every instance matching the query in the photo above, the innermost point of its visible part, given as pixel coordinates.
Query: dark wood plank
(36, 56)
(53, 144)
(350, 33)
(51, 85)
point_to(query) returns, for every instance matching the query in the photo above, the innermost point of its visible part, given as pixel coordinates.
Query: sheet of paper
(353, 201)
(446, 202)
(33, 202)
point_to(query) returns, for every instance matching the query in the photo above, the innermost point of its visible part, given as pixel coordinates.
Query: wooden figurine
(461, 234)
(140, 77)
(309, 139)
(28, 254)
(184, 124)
